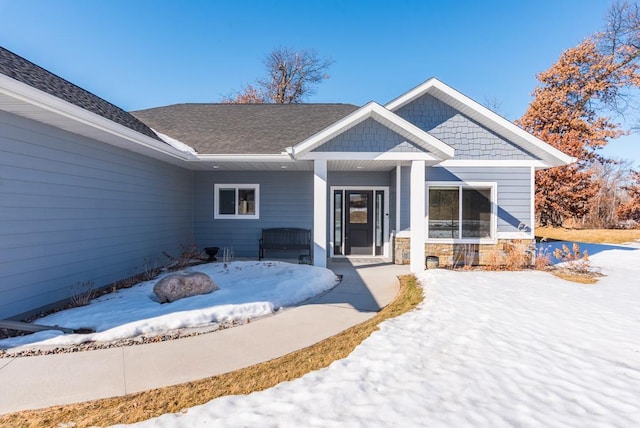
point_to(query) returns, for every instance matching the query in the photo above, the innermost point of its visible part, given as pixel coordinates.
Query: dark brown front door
(358, 233)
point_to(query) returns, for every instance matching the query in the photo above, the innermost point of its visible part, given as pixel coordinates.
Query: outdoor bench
(286, 239)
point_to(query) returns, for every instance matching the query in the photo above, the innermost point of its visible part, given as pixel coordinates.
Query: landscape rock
(178, 286)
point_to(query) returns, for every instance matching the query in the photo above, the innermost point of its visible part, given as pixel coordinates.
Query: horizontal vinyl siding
(73, 209)
(286, 200)
(514, 190)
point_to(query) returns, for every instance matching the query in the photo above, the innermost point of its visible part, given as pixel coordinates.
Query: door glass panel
(358, 203)
(379, 216)
(337, 222)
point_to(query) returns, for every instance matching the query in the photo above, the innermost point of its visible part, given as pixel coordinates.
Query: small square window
(236, 201)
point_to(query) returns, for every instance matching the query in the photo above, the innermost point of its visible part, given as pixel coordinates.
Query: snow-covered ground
(485, 349)
(247, 290)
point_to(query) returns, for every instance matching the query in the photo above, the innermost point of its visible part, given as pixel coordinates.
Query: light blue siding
(514, 191)
(286, 200)
(73, 209)
(470, 139)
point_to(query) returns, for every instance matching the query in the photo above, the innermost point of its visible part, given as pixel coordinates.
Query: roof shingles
(26, 72)
(242, 128)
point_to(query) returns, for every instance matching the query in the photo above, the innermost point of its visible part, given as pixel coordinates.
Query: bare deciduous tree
(292, 76)
(248, 95)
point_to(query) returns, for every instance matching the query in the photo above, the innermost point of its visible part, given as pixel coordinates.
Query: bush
(574, 259)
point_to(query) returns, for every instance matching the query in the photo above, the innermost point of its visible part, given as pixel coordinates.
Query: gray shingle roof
(242, 128)
(24, 71)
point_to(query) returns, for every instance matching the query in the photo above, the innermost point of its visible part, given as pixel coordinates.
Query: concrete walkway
(42, 381)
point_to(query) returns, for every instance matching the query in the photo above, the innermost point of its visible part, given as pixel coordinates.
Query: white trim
(400, 156)
(245, 158)
(320, 213)
(237, 187)
(533, 203)
(417, 217)
(515, 235)
(386, 234)
(385, 117)
(485, 116)
(398, 196)
(492, 185)
(492, 163)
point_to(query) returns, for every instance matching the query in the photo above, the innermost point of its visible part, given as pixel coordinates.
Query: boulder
(178, 286)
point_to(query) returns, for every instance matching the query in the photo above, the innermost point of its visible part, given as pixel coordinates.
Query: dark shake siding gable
(74, 209)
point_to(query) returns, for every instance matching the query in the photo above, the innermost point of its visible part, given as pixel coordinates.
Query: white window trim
(465, 185)
(385, 236)
(216, 198)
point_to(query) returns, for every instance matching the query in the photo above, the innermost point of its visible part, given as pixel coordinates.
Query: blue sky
(142, 53)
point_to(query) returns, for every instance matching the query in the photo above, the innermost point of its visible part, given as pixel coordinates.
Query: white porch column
(417, 216)
(320, 212)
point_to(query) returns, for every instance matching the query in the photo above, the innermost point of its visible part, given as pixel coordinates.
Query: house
(89, 192)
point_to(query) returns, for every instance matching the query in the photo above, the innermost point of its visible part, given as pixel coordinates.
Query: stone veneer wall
(474, 254)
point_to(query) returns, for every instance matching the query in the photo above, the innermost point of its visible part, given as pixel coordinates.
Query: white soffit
(549, 154)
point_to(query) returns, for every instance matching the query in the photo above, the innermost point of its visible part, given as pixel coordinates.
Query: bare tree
(292, 76)
(248, 95)
(493, 104)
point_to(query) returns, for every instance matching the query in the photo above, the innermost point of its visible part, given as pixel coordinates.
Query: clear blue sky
(144, 53)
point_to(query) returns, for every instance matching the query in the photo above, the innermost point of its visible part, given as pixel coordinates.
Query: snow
(247, 290)
(176, 144)
(495, 349)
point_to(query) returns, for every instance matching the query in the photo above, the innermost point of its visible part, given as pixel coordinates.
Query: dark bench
(285, 239)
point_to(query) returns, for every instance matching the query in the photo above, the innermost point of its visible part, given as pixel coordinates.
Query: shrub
(574, 259)
(83, 292)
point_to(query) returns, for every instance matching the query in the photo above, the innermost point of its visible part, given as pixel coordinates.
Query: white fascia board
(400, 156)
(410, 95)
(385, 117)
(331, 131)
(437, 88)
(491, 163)
(30, 95)
(245, 158)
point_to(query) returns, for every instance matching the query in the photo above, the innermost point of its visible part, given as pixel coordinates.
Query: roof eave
(547, 153)
(381, 114)
(49, 109)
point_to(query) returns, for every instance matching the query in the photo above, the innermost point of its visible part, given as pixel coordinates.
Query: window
(236, 201)
(460, 212)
